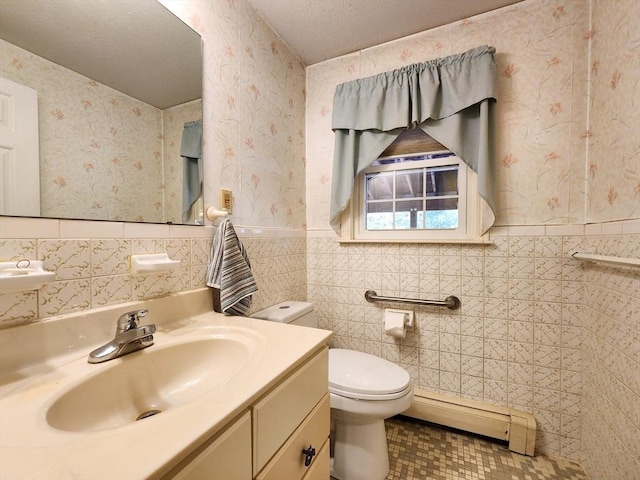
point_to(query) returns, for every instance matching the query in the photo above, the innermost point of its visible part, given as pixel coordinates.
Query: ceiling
(318, 30)
(135, 46)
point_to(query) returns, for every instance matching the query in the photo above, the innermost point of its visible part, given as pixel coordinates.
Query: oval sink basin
(151, 381)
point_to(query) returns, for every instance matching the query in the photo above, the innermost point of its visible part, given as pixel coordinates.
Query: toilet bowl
(364, 391)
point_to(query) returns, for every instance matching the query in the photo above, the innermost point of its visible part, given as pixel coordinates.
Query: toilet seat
(362, 376)
(374, 397)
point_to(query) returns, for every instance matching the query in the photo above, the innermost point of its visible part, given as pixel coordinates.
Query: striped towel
(230, 271)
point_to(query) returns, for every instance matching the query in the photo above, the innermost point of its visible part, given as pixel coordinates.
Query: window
(421, 197)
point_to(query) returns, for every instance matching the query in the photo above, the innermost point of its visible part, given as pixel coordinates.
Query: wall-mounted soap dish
(152, 263)
(24, 276)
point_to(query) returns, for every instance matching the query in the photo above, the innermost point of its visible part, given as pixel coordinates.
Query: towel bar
(590, 257)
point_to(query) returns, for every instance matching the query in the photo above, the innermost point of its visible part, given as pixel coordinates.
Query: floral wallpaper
(613, 167)
(254, 116)
(89, 168)
(546, 86)
(253, 120)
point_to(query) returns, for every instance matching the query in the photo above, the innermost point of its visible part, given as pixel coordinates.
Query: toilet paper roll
(394, 323)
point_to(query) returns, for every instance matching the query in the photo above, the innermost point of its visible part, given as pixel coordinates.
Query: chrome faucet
(130, 337)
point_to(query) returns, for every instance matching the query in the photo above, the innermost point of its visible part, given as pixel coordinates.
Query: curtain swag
(451, 98)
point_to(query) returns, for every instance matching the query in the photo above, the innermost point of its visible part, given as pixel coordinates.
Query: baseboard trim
(506, 424)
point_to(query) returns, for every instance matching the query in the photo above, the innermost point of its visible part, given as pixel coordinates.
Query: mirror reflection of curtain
(452, 99)
(192, 174)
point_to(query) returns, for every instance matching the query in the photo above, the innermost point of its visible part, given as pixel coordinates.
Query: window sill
(461, 241)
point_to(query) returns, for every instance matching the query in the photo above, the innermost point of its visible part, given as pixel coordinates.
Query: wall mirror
(118, 87)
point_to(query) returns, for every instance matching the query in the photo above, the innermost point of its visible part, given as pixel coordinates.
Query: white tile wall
(610, 362)
(91, 261)
(517, 340)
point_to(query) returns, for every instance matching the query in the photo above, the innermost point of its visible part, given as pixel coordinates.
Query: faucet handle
(130, 320)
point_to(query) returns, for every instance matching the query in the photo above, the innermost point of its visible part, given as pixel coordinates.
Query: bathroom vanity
(238, 398)
(291, 419)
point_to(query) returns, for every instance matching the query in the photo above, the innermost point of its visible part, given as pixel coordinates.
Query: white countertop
(30, 448)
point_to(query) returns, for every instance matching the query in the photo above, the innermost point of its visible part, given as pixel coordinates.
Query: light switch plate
(226, 199)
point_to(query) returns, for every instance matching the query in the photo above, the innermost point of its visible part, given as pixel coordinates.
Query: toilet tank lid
(285, 312)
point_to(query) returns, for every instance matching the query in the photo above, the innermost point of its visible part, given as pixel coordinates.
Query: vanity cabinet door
(281, 411)
(226, 457)
(289, 462)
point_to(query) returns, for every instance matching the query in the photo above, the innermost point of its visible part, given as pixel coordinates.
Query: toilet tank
(295, 313)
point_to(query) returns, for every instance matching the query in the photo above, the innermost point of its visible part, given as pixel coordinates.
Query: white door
(19, 150)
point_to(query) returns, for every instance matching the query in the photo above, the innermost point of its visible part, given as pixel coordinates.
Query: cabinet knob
(308, 453)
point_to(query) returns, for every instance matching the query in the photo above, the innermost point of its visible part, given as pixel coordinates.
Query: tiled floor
(422, 451)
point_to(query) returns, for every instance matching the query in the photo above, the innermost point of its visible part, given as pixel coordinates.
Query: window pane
(379, 216)
(422, 197)
(409, 183)
(442, 214)
(442, 181)
(379, 186)
(409, 214)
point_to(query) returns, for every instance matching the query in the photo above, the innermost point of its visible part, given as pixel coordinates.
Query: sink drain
(147, 414)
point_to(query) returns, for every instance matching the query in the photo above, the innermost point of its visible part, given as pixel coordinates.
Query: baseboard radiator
(506, 424)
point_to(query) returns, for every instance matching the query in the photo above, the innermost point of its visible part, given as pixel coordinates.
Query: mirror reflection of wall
(104, 155)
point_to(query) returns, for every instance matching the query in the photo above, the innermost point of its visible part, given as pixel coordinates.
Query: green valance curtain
(451, 98)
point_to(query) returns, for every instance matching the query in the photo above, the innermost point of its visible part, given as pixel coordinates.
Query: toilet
(364, 391)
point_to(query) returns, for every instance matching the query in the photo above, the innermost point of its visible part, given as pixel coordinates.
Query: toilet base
(360, 451)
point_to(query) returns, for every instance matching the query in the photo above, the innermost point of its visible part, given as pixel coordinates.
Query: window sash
(417, 202)
(468, 205)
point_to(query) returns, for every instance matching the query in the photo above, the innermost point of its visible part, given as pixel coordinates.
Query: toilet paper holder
(398, 322)
(409, 316)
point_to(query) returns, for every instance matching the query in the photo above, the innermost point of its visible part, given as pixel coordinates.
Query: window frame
(470, 208)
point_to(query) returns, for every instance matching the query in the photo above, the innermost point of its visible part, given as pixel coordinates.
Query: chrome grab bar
(450, 302)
